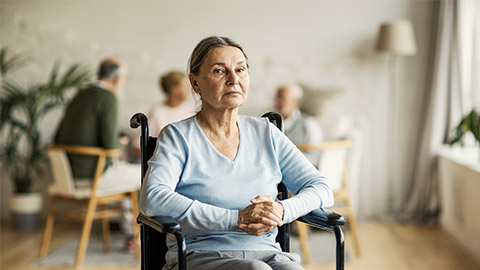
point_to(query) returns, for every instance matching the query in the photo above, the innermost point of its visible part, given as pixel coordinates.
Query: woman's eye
(240, 69)
(218, 71)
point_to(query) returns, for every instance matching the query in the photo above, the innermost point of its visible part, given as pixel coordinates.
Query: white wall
(320, 43)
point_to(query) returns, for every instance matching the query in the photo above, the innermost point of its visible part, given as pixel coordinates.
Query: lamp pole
(396, 38)
(391, 132)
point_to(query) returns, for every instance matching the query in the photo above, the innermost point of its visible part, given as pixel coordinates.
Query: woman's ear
(193, 83)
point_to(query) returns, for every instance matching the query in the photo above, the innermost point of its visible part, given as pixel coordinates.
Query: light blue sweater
(190, 180)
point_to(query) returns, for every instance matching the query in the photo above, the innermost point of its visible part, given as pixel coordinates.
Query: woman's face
(223, 79)
(181, 91)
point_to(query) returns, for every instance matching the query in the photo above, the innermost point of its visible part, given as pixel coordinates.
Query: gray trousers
(237, 260)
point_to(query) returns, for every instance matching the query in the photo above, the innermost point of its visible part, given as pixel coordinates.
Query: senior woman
(217, 172)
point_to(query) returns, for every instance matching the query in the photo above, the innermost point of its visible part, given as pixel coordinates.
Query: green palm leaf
(12, 63)
(21, 110)
(469, 123)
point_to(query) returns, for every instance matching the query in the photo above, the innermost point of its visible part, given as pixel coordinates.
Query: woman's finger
(272, 210)
(259, 228)
(276, 218)
(262, 198)
(259, 214)
(255, 228)
(267, 213)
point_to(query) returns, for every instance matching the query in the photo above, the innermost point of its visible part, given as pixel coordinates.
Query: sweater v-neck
(222, 156)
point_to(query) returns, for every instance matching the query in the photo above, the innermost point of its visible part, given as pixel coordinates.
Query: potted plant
(21, 110)
(469, 123)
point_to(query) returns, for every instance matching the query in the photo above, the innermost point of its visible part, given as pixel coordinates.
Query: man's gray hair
(295, 89)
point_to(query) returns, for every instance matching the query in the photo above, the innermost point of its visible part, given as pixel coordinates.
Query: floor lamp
(396, 38)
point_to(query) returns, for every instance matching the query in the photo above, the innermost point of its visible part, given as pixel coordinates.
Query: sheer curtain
(451, 91)
(469, 31)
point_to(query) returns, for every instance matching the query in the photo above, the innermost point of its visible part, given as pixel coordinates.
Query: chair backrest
(333, 164)
(333, 161)
(61, 172)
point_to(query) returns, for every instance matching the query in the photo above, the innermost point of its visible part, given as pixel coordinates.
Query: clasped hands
(261, 216)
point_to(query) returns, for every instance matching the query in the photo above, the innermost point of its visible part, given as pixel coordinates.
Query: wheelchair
(154, 229)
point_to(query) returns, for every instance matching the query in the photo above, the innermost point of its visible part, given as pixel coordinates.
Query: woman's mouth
(233, 93)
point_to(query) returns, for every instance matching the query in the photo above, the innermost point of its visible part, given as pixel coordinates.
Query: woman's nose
(232, 78)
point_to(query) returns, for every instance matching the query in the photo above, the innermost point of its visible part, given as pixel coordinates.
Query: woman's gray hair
(205, 46)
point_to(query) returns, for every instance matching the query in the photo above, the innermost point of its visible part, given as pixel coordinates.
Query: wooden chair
(91, 203)
(333, 164)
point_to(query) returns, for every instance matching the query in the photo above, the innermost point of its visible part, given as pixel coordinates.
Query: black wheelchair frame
(153, 230)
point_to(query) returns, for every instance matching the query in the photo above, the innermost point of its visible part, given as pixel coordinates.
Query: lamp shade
(397, 37)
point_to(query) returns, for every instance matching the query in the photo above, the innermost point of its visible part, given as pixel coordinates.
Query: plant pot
(25, 210)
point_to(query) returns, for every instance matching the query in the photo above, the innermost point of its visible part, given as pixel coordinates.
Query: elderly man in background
(91, 119)
(300, 127)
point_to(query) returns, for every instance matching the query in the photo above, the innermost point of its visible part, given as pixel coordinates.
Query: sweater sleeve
(308, 186)
(108, 122)
(159, 198)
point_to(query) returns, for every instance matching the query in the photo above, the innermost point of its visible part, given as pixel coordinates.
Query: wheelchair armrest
(163, 224)
(166, 224)
(323, 218)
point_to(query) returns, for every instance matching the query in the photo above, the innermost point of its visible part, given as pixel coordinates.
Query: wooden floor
(405, 247)
(384, 246)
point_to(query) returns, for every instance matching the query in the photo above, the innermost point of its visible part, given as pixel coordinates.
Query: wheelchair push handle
(138, 119)
(275, 118)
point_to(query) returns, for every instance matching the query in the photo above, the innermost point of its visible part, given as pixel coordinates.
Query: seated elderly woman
(217, 172)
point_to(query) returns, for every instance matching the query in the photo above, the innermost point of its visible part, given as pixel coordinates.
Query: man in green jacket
(91, 119)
